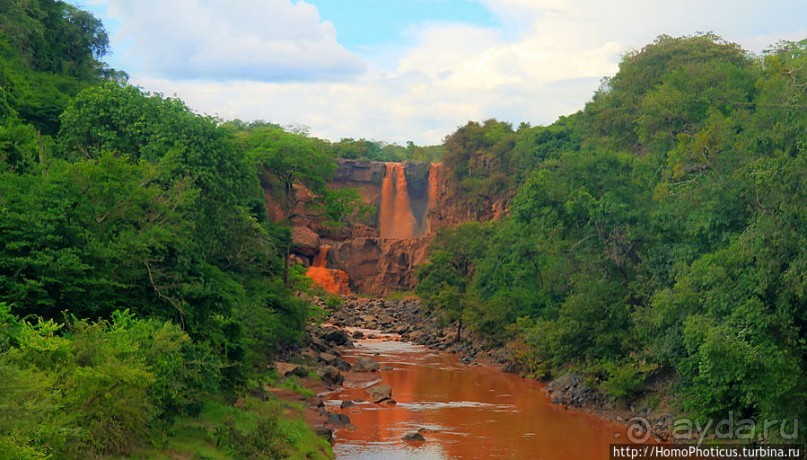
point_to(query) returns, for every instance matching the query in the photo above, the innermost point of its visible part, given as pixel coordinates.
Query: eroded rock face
(379, 254)
(305, 241)
(377, 266)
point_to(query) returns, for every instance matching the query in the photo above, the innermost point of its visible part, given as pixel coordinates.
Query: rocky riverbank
(322, 356)
(408, 319)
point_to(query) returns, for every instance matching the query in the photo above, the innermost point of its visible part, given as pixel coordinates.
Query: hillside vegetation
(658, 234)
(141, 285)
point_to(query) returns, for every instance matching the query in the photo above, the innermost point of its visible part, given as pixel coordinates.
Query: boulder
(331, 376)
(342, 365)
(327, 358)
(324, 432)
(414, 437)
(365, 365)
(299, 371)
(346, 404)
(379, 393)
(338, 420)
(305, 241)
(285, 369)
(338, 337)
(318, 344)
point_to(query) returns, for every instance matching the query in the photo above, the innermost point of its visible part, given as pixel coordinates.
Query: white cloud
(262, 40)
(545, 60)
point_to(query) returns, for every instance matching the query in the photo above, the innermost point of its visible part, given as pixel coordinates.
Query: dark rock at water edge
(331, 376)
(338, 337)
(338, 420)
(414, 437)
(324, 432)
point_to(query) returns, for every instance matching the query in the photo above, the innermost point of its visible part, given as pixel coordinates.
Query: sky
(407, 70)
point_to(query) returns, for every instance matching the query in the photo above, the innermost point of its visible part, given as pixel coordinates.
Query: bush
(624, 381)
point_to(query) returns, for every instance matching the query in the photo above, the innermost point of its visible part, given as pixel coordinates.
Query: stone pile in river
(408, 318)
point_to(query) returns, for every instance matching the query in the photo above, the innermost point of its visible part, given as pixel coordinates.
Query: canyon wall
(379, 253)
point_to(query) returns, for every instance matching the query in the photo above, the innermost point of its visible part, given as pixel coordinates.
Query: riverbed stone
(365, 365)
(338, 337)
(342, 365)
(338, 420)
(318, 344)
(327, 358)
(414, 437)
(324, 432)
(379, 393)
(331, 376)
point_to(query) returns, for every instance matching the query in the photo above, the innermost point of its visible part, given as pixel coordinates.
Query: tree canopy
(658, 233)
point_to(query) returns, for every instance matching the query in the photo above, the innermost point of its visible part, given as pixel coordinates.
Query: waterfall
(333, 281)
(395, 218)
(320, 260)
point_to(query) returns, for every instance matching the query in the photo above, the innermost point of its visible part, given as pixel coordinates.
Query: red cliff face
(412, 201)
(332, 280)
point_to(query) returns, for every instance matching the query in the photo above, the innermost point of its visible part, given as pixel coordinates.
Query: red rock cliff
(411, 202)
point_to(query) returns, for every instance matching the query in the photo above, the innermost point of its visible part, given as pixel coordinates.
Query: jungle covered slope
(142, 289)
(657, 235)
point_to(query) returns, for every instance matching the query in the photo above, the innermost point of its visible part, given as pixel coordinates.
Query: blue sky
(363, 24)
(399, 70)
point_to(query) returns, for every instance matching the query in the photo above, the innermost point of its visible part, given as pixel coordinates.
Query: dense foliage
(140, 279)
(657, 234)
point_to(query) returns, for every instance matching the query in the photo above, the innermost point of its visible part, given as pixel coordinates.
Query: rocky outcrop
(375, 266)
(305, 241)
(378, 253)
(449, 209)
(572, 391)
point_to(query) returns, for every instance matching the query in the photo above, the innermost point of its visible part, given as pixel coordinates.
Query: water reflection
(463, 411)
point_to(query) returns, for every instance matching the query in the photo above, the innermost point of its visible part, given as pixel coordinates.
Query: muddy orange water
(395, 214)
(473, 412)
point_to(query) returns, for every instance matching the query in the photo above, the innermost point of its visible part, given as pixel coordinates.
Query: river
(464, 412)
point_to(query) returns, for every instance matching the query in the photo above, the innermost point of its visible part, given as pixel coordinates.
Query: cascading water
(406, 195)
(320, 260)
(395, 216)
(333, 281)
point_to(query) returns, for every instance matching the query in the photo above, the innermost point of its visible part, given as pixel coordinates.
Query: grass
(210, 435)
(293, 384)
